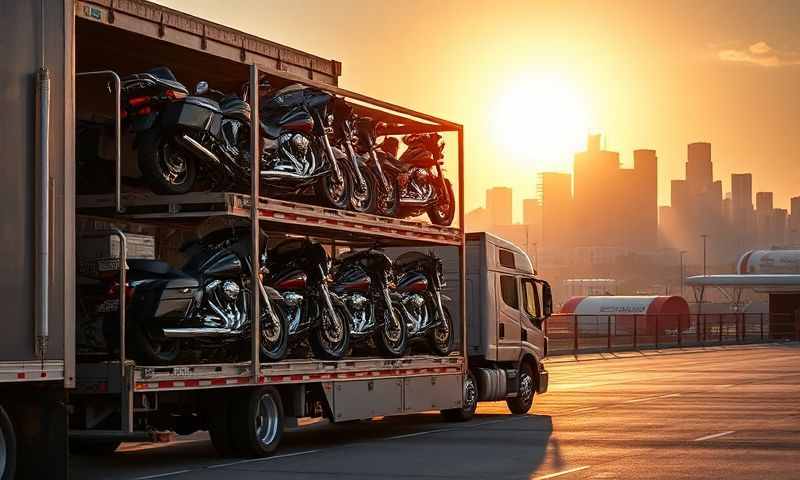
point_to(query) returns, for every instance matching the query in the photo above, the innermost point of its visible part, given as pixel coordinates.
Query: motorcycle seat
(155, 267)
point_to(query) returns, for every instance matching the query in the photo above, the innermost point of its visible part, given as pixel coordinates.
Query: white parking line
(585, 409)
(647, 399)
(417, 434)
(716, 435)
(254, 460)
(162, 475)
(564, 472)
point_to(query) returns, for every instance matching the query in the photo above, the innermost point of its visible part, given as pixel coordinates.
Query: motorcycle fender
(273, 294)
(142, 123)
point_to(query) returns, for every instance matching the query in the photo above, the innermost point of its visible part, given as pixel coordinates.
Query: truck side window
(508, 290)
(531, 299)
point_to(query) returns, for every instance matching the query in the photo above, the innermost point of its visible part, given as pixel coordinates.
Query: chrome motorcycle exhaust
(197, 148)
(198, 332)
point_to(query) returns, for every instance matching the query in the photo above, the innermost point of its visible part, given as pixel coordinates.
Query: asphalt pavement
(718, 413)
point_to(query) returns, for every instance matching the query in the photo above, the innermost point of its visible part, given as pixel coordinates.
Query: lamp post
(682, 253)
(705, 237)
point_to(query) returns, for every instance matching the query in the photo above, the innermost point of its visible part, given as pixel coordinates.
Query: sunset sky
(529, 79)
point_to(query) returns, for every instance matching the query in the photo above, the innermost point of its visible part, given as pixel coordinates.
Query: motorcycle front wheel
(443, 212)
(363, 197)
(333, 192)
(392, 338)
(165, 167)
(441, 337)
(331, 338)
(274, 334)
(387, 199)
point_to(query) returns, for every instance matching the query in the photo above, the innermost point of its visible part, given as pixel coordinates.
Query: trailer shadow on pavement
(455, 446)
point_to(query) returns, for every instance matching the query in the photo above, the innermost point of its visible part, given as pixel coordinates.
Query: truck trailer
(64, 61)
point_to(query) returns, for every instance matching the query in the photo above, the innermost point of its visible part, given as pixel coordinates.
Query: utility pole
(705, 237)
(682, 253)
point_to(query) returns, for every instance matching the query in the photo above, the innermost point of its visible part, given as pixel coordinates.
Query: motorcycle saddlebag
(196, 113)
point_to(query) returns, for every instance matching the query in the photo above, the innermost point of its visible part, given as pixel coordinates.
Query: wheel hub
(525, 386)
(470, 393)
(392, 326)
(266, 421)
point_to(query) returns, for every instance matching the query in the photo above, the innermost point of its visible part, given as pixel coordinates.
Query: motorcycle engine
(415, 305)
(359, 308)
(226, 305)
(290, 153)
(294, 304)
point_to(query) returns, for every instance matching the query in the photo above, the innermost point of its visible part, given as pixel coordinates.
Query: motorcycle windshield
(410, 260)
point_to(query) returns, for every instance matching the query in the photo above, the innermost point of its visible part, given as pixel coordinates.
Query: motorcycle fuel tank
(223, 264)
(293, 280)
(353, 280)
(413, 282)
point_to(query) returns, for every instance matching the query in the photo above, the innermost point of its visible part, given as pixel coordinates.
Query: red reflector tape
(21, 375)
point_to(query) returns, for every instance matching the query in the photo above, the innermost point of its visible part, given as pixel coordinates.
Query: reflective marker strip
(565, 472)
(275, 379)
(716, 435)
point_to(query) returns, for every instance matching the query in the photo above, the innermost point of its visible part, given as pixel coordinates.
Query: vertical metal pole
(761, 318)
(680, 335)
(656, 339)
(462, 258)
(720, 328)
(636, 332)
(608, 332)
(255, 180)
(705, 237)
(575, 333)
(42, 275)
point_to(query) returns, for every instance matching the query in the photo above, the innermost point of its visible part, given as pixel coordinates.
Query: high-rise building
(699, 169)
(499, 206)
(764, 219)
(777, 226)
(532, 219)
(644, 207)
(557, 209)
(597, 196)
(794, 221)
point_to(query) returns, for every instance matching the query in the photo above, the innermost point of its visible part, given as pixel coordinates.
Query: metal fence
(569, 333)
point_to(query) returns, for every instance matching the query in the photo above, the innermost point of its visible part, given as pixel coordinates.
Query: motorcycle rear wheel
(445, 209)
(331, 338)
(165, 167)
(148, 347)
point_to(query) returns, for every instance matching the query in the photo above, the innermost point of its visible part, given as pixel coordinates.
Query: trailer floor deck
(278, 215)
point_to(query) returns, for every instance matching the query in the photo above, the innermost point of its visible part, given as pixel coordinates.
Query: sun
(540, 121)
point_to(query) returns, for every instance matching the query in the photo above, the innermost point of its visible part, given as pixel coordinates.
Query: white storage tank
(769, 262)
(596, 312)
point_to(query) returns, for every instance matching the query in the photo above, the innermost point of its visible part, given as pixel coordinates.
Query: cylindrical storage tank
(596, 314)
(769, 262)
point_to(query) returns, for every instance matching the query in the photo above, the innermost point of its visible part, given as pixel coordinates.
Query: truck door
(531, 318)
(508, 318)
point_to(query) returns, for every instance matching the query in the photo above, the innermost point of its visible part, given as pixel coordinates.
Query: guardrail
(570, 333)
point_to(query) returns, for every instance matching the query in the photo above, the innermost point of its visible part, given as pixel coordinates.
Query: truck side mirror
(547, 300)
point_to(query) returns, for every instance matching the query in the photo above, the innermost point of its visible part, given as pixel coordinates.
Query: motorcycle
(420, 281)
(170, 127)
(204, 305)
(413, 183)
(364, 280)
(363, 196)
(300, 271)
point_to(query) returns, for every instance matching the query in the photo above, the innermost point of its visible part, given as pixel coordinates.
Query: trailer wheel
(257, 422)
(523, 402)
(470, 402)
(8, 447)
(219, 423)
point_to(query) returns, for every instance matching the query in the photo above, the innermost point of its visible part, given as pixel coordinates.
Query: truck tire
(470, 402)
(219, 423)
(522, 403)
(8, 447)
(257, 422)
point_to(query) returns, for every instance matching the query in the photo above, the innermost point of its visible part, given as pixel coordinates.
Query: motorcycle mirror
(201, 88)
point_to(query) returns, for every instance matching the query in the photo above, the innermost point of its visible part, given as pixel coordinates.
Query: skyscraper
(644, 209)
(764, 218)
(699, 169)
(742, 219)
(557, 209)
(499, 206)
(794, 221)
(597, 196)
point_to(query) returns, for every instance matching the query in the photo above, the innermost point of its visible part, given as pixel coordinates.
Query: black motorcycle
(300, 271)
(415, 182)
(364, 280)
(419, 296)
(364, 189)
(201, 307)
(172, 130)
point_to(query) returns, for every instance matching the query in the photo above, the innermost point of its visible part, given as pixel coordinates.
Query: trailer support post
(255, 229)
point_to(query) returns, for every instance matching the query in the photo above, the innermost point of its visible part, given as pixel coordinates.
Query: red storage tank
(649, 311)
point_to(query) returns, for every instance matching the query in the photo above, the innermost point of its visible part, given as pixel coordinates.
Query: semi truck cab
(507, 306)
